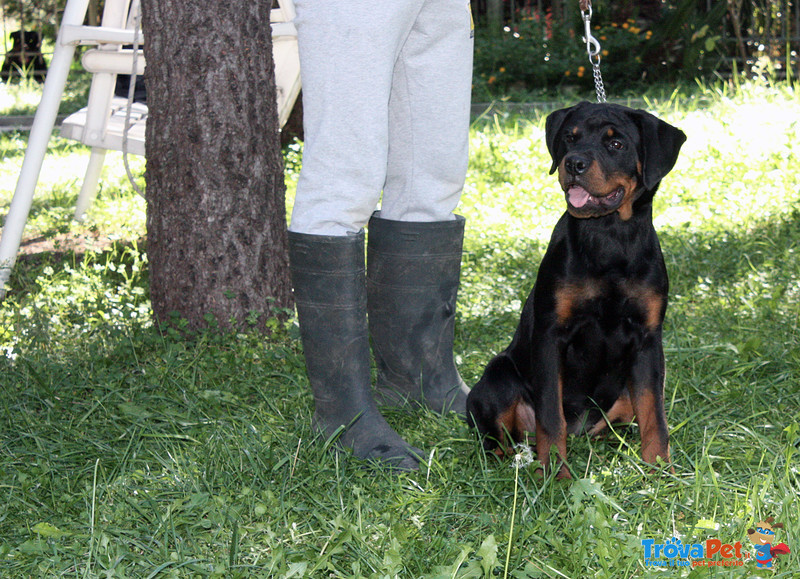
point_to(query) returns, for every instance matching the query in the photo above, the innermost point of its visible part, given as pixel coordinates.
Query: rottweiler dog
(25, 56)
(588, 348)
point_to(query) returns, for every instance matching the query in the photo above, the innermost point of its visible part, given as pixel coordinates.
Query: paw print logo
(762, 538)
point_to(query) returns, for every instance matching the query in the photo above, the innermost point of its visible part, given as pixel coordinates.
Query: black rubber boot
(413, 272)
(330, 293)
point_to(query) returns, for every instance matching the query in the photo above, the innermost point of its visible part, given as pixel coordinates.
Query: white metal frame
(101, 123)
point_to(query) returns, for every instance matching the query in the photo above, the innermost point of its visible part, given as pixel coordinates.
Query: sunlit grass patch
(20, 97)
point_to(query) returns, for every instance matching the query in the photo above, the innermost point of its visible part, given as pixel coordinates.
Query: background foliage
(539, 44)
(527, 47)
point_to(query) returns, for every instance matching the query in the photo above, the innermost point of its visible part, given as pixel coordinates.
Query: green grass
(21, 95)
(125, 452)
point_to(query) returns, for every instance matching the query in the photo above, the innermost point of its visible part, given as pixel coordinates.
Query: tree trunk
(216, 218)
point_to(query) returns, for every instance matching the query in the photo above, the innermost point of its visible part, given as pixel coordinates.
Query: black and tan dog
(25, 57)
(588, 350)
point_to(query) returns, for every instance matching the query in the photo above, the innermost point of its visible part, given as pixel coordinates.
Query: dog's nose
(576, 164)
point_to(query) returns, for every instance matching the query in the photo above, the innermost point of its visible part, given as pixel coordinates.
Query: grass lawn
(125, 452)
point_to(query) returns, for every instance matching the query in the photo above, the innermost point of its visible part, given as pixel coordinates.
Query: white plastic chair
(101, 123)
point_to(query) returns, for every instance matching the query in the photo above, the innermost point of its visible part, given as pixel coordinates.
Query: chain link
(599, 88)
(593, 49)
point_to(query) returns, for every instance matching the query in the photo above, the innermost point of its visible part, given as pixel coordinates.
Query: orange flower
(491, 80)
(581, 70)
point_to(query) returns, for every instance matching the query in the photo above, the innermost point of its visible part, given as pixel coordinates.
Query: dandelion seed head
(524, 456)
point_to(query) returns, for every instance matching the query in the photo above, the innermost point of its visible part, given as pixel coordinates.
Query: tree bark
(216, 217)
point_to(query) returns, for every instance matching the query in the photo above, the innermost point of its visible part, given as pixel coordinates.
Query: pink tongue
(577, 196)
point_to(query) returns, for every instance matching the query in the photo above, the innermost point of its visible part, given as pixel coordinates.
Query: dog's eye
(616, 144)
(570, 138)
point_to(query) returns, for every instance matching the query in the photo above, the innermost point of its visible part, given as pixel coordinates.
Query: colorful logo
(711, 553)
(715, 553)
(762, 537)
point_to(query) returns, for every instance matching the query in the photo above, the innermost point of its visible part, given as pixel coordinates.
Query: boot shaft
(328, 275)
(329, 280)
(413, 272)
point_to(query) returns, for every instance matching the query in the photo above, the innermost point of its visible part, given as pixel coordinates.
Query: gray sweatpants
(386, 98)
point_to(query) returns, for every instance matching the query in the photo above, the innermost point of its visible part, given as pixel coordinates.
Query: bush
(531, 55)
(537, 53)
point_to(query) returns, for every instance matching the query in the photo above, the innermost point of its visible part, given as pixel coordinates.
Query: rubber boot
(413, 271)
(330, 294)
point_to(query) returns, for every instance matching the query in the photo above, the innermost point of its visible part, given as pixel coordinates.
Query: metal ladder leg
(41, 130)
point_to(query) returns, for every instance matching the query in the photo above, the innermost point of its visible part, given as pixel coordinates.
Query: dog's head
(29, 39)
(608, 156)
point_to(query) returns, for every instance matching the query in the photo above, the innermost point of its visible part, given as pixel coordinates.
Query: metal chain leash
(593, 49)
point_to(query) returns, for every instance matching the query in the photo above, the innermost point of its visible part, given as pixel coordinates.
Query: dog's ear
(16, 36)
(552, 130)
(661, 143)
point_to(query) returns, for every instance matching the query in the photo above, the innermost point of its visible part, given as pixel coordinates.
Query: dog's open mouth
(579, 198)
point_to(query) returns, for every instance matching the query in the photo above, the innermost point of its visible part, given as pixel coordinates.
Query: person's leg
(429, 116)
(348, 51)
(347, 54)
(412, 282)
(330, 294)
(414, 243)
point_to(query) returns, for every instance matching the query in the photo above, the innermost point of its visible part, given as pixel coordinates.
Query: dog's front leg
(551, 426)
(647, 397)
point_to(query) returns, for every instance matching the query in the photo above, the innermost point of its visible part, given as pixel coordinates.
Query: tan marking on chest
(649, 300)
(571, 295)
